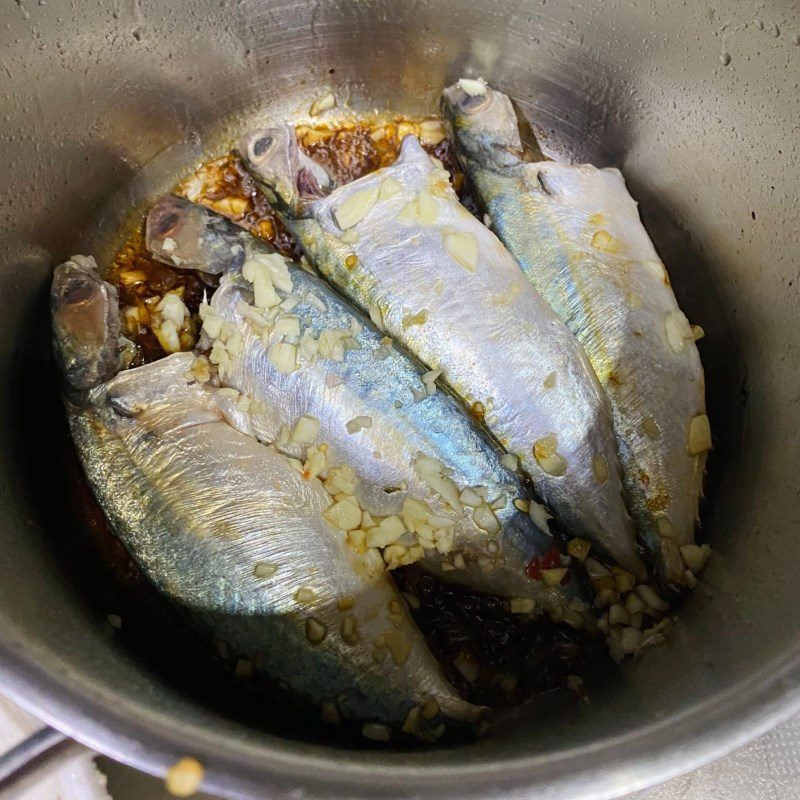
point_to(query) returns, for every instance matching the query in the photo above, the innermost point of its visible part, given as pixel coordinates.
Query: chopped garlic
(546, 454)
(510, 462)
(469, 497)
(429, 379)
(578, 548)
(485, 519)
(550, 381)
(344, 515)
(431, 131)
(286, 326)
(415, 513)
(678, 330)
(388, 532)
(398, 645)
(538, 513)
(389, 187)
(305, 595)
(376, 316)
(697, 333)
(427, 208)
(695, 556)
(463, 247)
(553, 577)
(699, 435)
(420, 318)
(324, 103)
(172, 308)
(473, 87)
(431, 472)
(315, 631)
(650, 597)
(376, 731)
(167, 335)
(183, 778)
(263, 569)
(306, 430)
(283, 356)
(521, 605)
(358, 424)
(355, 207)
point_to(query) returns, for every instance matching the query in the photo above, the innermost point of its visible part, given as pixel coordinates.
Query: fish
(401, 247)
(576, 233)
(229, 531)
(415, 456)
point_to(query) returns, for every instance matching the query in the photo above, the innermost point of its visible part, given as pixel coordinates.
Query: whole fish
(301, 352)
(577, 235)
(226, 528)
(399, 244)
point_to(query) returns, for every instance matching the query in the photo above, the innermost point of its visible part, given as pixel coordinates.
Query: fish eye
(260, 146)
(78, 292)
(472, 103)
(168, 223)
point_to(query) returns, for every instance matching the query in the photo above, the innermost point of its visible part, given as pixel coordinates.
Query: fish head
(273, 158)
(188, 236)
(482, 123)
(86, 326)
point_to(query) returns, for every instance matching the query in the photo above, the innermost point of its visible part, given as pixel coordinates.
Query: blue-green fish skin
(499, 346)
(202, 508)
(375, 380)
(576, 233)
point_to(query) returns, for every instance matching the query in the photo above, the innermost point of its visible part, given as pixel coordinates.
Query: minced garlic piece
(420, 318)
(432, 473)
(305, 595)
(678, 330)
(324, 103)
(183, 778)
(389, 187)
(695, 556)
(355, 207)
(306, 430)
(283, 356)
(474, 87)
(315, 631)
(463, 247)
(521, 605)
(545, 450)
(344, 515)
(358, 424)
(376, 731)
(699, 435)
(264, 569)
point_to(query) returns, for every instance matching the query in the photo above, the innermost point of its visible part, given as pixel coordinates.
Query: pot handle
(34, 758)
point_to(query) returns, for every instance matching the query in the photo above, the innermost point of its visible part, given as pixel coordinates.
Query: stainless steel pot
(699, 105)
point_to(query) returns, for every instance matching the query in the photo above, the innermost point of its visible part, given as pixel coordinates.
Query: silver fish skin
(577, 235)
(399, 244)
(365, 376)
(202, 508)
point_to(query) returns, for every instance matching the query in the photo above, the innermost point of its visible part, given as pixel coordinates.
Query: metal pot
(699, 107)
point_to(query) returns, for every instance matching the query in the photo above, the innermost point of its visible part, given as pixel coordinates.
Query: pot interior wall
(697, 104)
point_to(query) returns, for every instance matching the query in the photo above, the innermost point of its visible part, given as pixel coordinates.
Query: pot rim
(151, 741)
